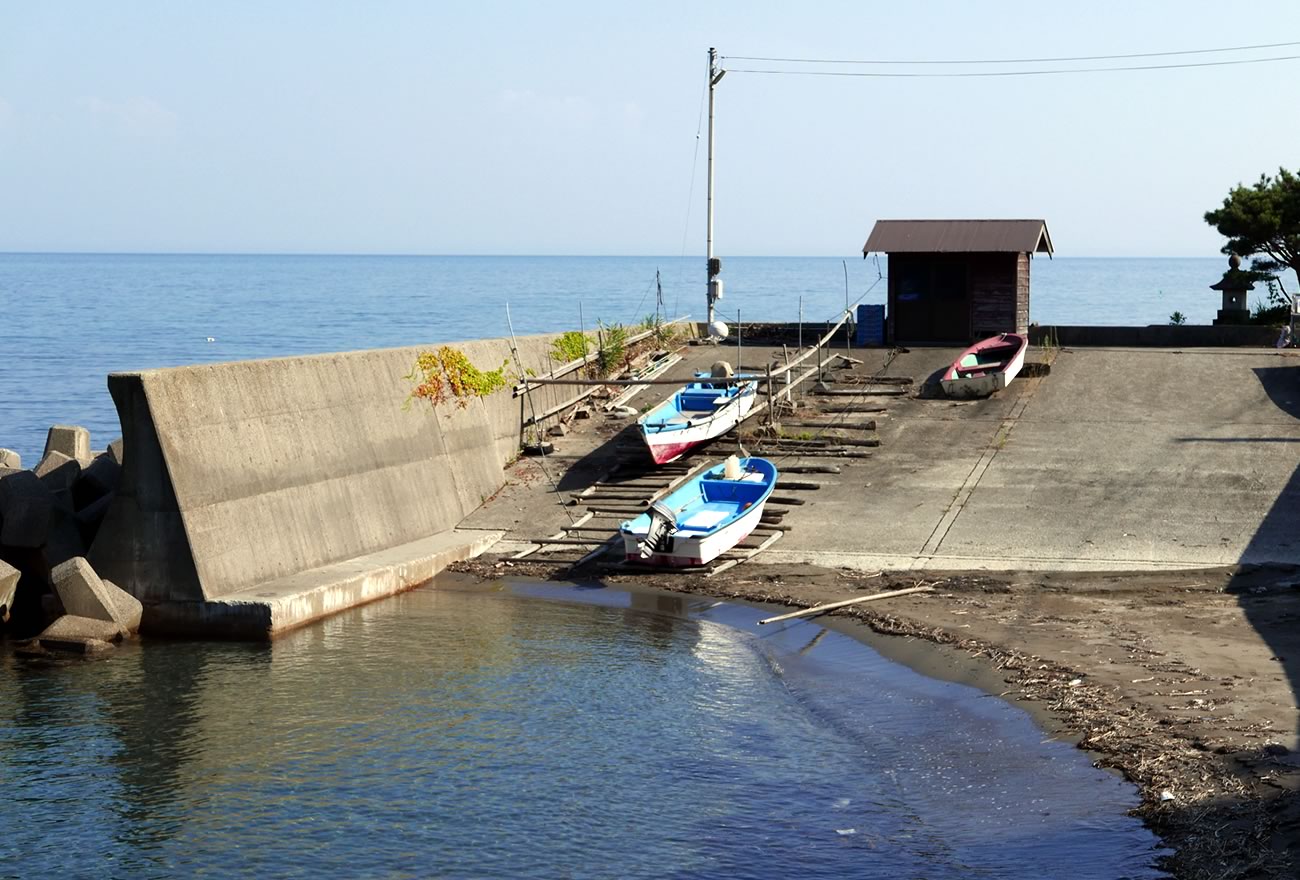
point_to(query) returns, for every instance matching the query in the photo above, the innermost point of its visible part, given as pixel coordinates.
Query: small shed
(957, 280)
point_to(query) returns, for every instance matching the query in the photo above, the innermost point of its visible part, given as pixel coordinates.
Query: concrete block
(77, 635)
(83, 594)
(72, 440)
(90, 517)
(63, 540)
(98, 479)
(10, 459)
(116, 449)
(25, 506)
(9, 577)
(57, 471)
(130, 610)
(70, 626)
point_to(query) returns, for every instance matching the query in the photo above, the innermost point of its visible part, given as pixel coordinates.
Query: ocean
(70, 319)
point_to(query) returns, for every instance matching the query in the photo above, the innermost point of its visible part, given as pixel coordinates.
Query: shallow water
(541, 731)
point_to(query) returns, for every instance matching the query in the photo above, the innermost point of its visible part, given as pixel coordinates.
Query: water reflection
(488, 733)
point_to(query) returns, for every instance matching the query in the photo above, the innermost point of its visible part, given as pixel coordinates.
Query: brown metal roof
(959, 236)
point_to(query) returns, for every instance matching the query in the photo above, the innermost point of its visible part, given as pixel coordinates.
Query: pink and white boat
(986, 367)
(702, 410)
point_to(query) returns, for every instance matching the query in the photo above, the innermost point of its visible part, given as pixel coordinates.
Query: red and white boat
(986, 367)
(702, 410)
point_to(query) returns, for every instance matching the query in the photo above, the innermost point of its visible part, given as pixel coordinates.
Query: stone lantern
(1234, 284)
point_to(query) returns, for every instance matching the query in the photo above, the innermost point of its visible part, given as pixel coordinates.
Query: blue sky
(570, 128)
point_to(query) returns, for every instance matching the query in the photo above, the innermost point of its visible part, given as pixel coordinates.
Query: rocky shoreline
(49, 516)
(1204, 727)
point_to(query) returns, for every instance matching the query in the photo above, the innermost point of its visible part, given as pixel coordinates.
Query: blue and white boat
(704, 517)
(702, 410)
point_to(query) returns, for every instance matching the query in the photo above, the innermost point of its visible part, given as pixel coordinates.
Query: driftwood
(820, 609)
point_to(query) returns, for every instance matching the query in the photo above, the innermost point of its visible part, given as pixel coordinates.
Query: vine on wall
(446, 374)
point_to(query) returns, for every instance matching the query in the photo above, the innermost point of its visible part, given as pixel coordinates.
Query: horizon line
(385, 254)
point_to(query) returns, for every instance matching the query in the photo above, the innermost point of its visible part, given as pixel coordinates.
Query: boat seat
(984, 368)
(705, 517)
(700, 401)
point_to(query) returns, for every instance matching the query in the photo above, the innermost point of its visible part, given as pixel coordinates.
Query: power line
(1014, 60)
(1040, 72)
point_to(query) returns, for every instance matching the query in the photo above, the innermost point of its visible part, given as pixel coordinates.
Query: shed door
(931, 298)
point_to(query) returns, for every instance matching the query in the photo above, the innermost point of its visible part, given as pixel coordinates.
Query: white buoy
(731, 469)
(212, 339)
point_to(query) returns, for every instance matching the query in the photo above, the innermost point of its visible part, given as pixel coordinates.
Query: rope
(519, 365)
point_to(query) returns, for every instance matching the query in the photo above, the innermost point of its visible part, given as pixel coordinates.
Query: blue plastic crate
(870, 326)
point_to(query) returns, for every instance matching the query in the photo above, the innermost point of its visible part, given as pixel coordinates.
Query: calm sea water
(539, 731)
(68, 320)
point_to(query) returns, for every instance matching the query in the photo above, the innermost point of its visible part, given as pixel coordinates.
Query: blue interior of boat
(709, 502)
(696, 398)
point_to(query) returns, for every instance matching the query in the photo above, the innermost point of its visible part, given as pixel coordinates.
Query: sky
(575, 127)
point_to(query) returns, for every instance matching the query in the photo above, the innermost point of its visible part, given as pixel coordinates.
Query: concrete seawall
(258, 495)
(1156, 336)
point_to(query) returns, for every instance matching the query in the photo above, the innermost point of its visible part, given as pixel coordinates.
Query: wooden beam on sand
(830, 606)
(864, 391)
(853, 408)
(810, 469)
(869, 425)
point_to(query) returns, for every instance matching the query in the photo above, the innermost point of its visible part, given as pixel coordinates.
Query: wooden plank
(853, 408)
(571, 366)
(858, 441)
(581, 542)
(800, 485)
(869, 425)
(863, 392)
(782, 499)
(820, 609)
(810, 469)
(795, 443)
(888, 380)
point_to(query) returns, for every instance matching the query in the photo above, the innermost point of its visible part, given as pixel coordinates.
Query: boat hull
(667, 446)
(694, 550)
(704, 517)
(981, 384)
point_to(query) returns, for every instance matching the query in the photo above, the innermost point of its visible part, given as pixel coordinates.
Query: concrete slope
(240, 474)
(1119, 459)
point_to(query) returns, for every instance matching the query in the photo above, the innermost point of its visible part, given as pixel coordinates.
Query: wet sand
(1179, 681)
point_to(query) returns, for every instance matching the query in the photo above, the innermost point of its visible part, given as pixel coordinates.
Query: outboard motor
(659, 537)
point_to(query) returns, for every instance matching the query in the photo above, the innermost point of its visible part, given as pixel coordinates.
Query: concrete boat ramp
(260, 495)
(1112, 459)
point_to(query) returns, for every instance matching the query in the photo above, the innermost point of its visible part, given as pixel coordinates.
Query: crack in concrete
(968, 486)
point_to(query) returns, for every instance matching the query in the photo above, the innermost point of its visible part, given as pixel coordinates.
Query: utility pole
(714, 287)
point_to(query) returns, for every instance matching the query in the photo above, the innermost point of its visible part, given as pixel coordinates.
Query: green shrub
(613, 349)
(572, 345)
